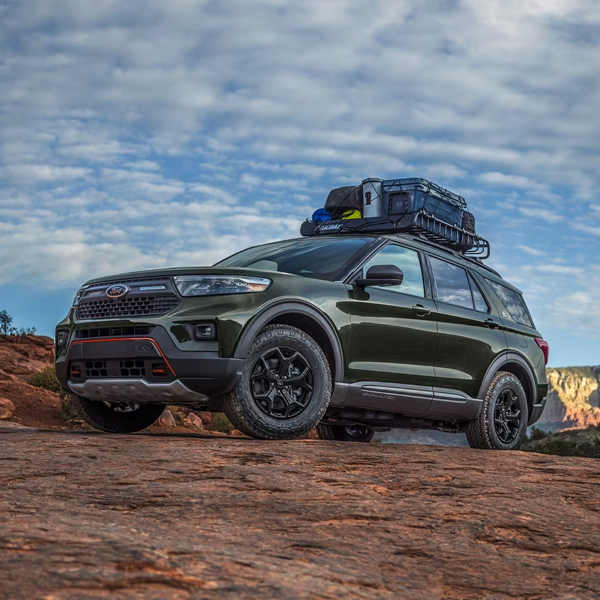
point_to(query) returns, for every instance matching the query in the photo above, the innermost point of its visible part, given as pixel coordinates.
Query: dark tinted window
(514, 303)
(478, 299)
(451, 283)
(309, 257)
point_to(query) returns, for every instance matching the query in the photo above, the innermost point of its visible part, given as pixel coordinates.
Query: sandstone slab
(88, 515)
(7, 408)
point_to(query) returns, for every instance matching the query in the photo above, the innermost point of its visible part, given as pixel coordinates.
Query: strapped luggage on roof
(402, 196)
(343, 199)
(409, 205)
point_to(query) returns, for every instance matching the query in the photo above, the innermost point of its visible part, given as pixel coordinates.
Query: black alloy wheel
(282, 383)
(502, 422)
(507, 416)
(285, 387)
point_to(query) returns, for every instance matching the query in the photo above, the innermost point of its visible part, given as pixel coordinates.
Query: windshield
(309, 257)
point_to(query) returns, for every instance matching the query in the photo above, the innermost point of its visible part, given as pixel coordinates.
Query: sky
(146, 133)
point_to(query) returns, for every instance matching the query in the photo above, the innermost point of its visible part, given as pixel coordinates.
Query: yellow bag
(352, 214)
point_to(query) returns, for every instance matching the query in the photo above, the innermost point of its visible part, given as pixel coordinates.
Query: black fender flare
(510, 357)
(253, 328)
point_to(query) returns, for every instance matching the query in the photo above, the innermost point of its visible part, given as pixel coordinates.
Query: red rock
(193, 420)
(206, 417)
(7, 408)
(236, 433)
(166, 419)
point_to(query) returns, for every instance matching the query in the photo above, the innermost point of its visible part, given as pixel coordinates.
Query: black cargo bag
(342, 199)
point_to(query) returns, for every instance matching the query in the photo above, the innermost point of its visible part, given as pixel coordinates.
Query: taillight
(545, 348)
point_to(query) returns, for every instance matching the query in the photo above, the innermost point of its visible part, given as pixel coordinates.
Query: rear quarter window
(514, 304)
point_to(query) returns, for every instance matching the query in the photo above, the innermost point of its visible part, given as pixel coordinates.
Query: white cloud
(145, 133)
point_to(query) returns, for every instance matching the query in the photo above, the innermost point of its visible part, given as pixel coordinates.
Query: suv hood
(171, 272)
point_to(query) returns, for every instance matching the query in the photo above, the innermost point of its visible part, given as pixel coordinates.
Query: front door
(393, 336)
(470, 330)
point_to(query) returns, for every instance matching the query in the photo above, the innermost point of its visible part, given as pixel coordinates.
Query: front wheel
(345, 433)
(502, 423)
(285, 387)
(116, 417)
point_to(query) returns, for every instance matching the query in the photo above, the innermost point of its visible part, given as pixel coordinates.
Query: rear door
(393, 333)
(470, 329)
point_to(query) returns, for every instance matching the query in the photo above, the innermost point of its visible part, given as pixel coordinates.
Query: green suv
(350, 334)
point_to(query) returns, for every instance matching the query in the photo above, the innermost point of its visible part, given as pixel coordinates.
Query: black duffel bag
(344, 198)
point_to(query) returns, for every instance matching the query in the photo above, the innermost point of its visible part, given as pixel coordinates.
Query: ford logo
(117, 291)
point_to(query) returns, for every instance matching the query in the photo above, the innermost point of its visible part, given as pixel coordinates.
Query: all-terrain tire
(116, 417)
(487, 431)
(261, 410)
(342, 433)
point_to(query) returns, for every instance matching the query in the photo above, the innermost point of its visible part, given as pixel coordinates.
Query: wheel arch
(304, 317)
(520, 367)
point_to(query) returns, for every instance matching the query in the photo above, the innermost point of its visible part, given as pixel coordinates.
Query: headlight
(210, 285)
(78, 295)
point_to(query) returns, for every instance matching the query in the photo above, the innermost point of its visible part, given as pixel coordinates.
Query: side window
(451, 283)
(514, 303)
(478, 300)
(405, 259)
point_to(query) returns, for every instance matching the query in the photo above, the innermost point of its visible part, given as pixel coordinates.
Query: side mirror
(382, 275)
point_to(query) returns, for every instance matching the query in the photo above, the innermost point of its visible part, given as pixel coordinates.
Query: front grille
(130, 306)
(108, 332)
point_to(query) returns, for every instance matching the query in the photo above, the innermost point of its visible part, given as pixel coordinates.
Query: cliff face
(22, 356)
(572, 399)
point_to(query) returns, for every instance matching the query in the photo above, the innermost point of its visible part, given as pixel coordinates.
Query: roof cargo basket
(417, 223)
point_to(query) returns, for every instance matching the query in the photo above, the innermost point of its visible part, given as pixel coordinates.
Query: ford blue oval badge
(117, 291)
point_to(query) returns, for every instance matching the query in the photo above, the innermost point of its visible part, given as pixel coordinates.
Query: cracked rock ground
(85, 515)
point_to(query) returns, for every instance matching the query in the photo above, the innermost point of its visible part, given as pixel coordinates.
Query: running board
(413, 400)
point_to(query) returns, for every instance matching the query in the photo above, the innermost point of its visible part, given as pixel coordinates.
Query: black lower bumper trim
(204, 372)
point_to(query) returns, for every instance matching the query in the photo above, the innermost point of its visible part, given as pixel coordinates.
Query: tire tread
(234, 403)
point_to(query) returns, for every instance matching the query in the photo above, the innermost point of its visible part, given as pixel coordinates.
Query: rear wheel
(116, 417)
(345, 433)
(285, 388)
(502, 423)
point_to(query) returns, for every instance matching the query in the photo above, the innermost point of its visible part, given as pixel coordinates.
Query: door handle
(492, 324)
(421, 310)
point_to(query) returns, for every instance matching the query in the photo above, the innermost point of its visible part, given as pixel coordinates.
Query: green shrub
(69, 415)
(537, 434)
(46, 380)
(221, 423)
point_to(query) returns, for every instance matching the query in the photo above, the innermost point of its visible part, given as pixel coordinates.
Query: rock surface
(193, 420)
(167, 419)
(7, 408)
(95, 516)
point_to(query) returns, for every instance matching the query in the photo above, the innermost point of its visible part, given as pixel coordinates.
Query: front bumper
(191, 376)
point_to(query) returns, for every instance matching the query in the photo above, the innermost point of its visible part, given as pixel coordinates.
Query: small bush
(221, 423)
(537, 434)
(69, 414)
(46, 380)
